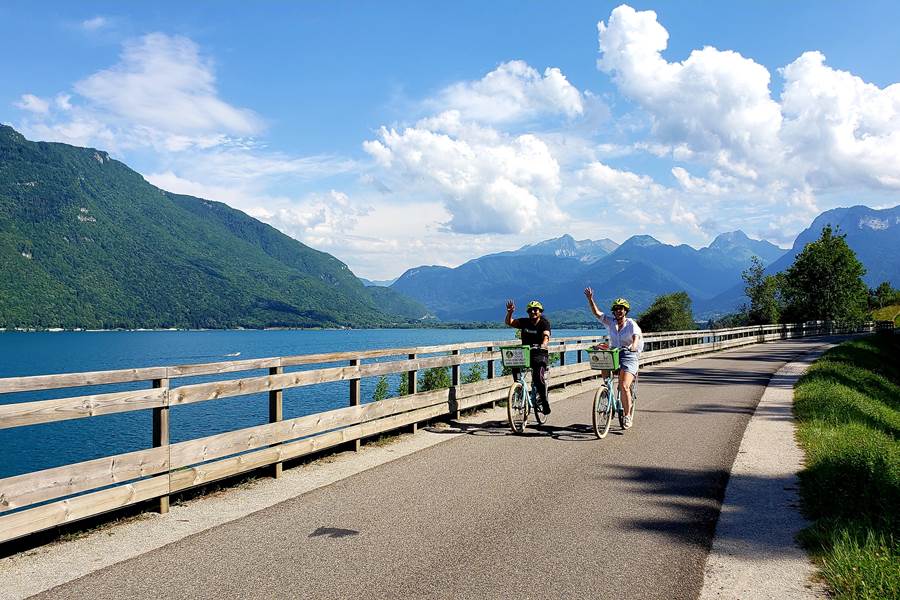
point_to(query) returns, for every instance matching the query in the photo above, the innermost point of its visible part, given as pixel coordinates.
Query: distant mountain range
(87, 242)
(557, 270)
(640, 269)
(873, 234)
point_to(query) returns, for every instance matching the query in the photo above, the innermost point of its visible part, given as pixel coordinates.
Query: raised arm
(510, 309)
(589, 293)
(545, 341)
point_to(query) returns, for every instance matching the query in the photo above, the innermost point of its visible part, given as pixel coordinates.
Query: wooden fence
(36, 501)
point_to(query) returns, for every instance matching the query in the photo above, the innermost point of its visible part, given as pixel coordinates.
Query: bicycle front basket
(604, 360)
(516, 356)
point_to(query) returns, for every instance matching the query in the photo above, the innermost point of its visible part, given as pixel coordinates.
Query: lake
(36, 447)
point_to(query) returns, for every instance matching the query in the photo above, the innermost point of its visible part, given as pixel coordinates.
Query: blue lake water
(35, 447)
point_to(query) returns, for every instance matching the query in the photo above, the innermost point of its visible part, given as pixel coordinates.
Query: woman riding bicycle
(535, 333)
(626, 334)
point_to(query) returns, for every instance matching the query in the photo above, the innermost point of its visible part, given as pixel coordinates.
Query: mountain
(557, 270)
(873, 234)
(87, 242)
(566, 246)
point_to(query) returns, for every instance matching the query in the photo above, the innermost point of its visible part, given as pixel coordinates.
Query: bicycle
(606, 398)
(518, 407)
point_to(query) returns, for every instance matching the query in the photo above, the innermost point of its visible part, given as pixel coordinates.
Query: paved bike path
(630, 516)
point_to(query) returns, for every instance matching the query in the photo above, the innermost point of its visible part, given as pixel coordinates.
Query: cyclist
(535, 333)
(624, 333)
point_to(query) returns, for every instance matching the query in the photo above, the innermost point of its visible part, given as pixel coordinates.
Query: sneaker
(627, 423)
(546, 407)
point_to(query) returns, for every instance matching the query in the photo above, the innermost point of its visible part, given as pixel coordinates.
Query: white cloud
(514, 91)
(617, 187)
(716, 103)
(489, 182)
(160, 95)
(163, 83)
(321, 220)
(95, 23)
(844, 129)
(33, 104)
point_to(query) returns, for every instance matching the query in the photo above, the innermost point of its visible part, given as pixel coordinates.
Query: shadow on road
(695, 497)
(575, 432)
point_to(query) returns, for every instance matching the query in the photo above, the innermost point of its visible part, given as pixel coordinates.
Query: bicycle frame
(521, 406)
(605, 408)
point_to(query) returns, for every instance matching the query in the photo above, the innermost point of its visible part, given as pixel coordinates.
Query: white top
(622, 338)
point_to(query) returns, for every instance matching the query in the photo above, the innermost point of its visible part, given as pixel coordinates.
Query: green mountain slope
(87, 242)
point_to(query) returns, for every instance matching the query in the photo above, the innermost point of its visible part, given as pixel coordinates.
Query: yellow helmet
(621, 302)
(535, 304)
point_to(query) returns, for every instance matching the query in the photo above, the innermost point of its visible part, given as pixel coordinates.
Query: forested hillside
(87, 242)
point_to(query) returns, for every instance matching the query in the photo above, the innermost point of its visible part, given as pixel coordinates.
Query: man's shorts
(628, 361)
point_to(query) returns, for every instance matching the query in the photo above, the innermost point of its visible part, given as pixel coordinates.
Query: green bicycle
(519, 404)
(606, 398)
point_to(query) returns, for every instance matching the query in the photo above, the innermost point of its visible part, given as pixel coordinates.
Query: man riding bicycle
(624, 333)
(535, 333)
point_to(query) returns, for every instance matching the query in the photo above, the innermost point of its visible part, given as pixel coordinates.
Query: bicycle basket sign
(516, 356)
(605, 359)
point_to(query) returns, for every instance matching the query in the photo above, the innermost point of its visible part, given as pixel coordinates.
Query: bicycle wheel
(517, 407)
(538, 408)
(602, 413)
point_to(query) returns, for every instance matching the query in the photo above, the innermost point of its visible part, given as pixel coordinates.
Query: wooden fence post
(276, 413)
(161, 433)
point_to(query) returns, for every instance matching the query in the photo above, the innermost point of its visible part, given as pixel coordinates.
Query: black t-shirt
(532, 335)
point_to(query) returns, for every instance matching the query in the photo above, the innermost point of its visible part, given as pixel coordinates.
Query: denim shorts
(628, 361)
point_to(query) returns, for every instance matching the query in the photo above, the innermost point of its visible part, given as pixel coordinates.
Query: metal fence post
(355, 398)
(276, 413)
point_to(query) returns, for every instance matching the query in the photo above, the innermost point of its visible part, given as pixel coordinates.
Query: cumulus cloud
(716, 103)
(844, 129)
(317, 220)
(829, 129)
(489, 182)
(514, 91)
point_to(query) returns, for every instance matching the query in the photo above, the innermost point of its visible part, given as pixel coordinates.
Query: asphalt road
(551, 513)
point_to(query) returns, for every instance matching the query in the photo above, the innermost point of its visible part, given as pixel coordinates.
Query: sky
(395, 134)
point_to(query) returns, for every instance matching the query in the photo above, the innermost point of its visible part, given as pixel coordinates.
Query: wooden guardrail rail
(43, 499)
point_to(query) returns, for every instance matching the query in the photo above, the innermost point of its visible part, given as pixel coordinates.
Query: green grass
(888, 313)
(848, 410)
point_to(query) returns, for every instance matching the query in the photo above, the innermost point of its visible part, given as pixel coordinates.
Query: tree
(883, 295)
(434, 378)
(763, 291)
(825, 282)
(669, 312)
(476, 373)
(381, 389)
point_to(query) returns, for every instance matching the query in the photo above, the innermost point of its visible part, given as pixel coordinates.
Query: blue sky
(396, 134)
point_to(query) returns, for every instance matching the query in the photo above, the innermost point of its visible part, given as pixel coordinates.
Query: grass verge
(848, 412)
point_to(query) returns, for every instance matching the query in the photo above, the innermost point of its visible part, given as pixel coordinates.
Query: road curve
(552, 513)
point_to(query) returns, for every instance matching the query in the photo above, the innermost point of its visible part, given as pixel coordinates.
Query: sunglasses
(534, 310)
(615, 308)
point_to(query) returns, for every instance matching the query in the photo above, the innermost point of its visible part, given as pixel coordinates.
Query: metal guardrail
(44, 499)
